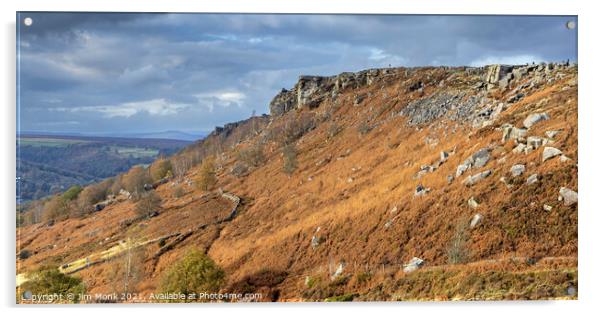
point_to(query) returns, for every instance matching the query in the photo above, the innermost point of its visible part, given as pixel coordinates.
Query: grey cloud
(222, 67)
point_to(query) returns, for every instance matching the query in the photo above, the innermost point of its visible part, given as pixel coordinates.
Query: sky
(99, 73)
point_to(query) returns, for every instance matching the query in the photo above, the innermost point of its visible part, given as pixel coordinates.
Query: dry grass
(347, 184)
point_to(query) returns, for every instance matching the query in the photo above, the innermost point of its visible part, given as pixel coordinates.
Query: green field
(135, 152)
(50, 142)
(121, 151)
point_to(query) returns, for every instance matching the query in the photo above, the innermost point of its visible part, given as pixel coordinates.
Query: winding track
(123, 246)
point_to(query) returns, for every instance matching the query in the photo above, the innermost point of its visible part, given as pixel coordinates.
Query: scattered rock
(477, 160)
(443, 156)
(520, 148)
(421, 190)
(413, 265)
(473, 203)
(388, 223)
(471, 180)
(316, 240)
(481, 157)
(510, 132)
(338, 271)
(430, 108)
(534, 142)
(461, 169)
(515, 98)
(476, 220)
(359, 99)
(497, 72)
(535, 118)
(568, 196)
(550, 152)
(532, 179)
(552, 134)
(517, 170)
(125, 193)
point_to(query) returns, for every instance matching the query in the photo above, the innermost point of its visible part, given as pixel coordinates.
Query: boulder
(519, 73)
(421, 190)
(510, 132)
(515, 98)
(477, 160)
(550, 152)
(535, 118)
(481, 157)
(552, 134)
(471, 180)
(504, 82)
(338, 271)
(359, 99)
(476, 220)
(568, 196)
(534, 142)
(532, 179)
(125, 193)
(547, 208)
(517, 170)
(388, 223)
(461, 169)
(472, 203)
(413, 265)
(497, 72)
(443, 156)
(316, 240)
(520, 148)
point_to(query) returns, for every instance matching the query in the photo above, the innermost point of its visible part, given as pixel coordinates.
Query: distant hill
(176, 135)
(173, 135)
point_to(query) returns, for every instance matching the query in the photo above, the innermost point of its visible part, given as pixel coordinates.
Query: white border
(590, 114)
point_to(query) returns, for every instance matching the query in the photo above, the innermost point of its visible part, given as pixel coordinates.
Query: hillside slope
(409, 184)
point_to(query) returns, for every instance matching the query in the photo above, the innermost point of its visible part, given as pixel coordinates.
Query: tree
(180, 164)
(127, 271)
(89, 196)
(72, 192)
(206, 178)
(290, 158)
(135, 180)
(117, 185)
(56, 208)
(50, 281)
(149, 203)
(252, 156)
(458, 247)
(194, 273)
(159, 169)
